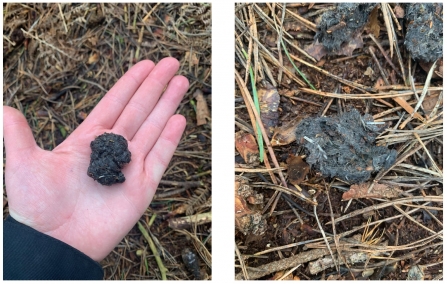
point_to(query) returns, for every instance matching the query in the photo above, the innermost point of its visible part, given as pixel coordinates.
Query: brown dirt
(55, 72)
(283, 226)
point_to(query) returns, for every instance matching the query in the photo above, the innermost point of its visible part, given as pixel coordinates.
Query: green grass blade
(296, 68)
(258, 109)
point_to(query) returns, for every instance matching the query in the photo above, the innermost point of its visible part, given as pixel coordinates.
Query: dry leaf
(294, 26)
(369, 72)
(430, 101)
(93, 58)
(93, 40)
(297, 169)
(82, 115)
(268, 103)
(285, 134)
(278, 275)
(247, 147)
(438, 73)
(377, 191)
(202, 112)
(317, 50)
(192, 57)
(346, 89)
(287, 92)
(399, 12)
(379, 83)
(321, 62)
(373, 24)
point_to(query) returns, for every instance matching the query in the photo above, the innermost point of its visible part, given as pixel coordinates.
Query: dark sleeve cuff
(32, 255)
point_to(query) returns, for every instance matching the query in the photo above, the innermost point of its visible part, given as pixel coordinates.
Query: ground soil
(283, 226)
(56, 69)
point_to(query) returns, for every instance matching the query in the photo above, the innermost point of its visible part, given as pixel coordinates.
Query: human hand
(50, 190)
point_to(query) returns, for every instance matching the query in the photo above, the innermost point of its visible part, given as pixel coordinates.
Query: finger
(16, 132)
(159, 157)
(144, 100)
(153, 126)
(111, 106)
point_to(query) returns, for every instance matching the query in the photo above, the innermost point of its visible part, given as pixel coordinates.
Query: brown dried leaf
(317, 50)
(268, 103)
(377, 191)
(93, 58)
(430, 101)
(202, 112)
(399, 12)
(321, 62)
(247, 147)
(297, 169)
(438, 73)
(287, 92)
(278, 275)
(373, 24)
(354, 43)
(369, 72)
(82, 115)
(379, 83)
(285, 134)
(192, 58)
(294, 26)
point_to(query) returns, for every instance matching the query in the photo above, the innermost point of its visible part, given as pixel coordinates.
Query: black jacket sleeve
(32, 255)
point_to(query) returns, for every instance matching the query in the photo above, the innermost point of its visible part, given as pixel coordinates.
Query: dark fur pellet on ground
(344, 146)
(191, 262)
(109, 155)
(424, 37)
(339, 26)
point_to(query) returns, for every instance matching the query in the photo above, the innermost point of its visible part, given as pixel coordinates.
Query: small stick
(323, 233)
(63, 19)
(285, 263)
(394, 17)
(242, 262)
(398, 161)
(386, 18)
(190, 221)
(385, 55)
(421, 99)
(375, 207)
(428, 153)
(308, 24)
(305, 101)
(412, 219)
(382, 72)
(154, 250)
(391, 94)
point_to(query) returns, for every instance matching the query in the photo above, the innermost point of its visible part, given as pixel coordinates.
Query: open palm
(51, 192)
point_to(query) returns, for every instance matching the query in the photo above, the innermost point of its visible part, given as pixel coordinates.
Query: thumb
(16, 131)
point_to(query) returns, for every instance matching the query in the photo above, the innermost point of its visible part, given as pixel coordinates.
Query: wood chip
(202, 112)
(378, 191)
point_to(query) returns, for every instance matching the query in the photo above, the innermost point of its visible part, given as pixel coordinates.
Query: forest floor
(61, 59)
(296, 220)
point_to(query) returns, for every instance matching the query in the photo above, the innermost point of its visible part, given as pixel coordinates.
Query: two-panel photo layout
(337, 141)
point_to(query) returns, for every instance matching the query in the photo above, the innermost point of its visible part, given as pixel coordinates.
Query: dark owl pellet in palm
(110, 154)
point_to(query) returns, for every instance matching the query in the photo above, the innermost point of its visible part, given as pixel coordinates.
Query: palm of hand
(51, 191)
